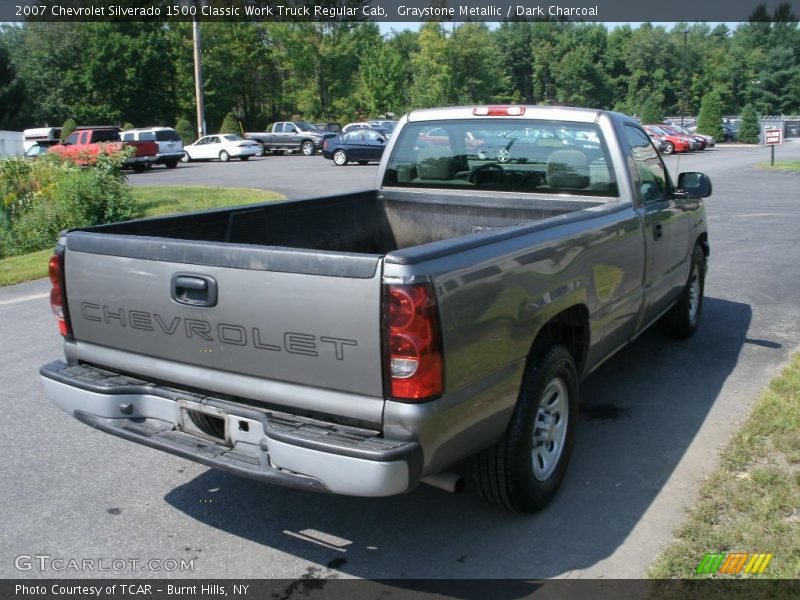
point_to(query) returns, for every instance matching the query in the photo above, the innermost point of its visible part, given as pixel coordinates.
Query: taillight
(58, 295)
(412, 342)
(498, 111)
(325, 144)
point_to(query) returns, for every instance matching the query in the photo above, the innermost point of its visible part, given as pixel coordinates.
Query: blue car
(357, 145)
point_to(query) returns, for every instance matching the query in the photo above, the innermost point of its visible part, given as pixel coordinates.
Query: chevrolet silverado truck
(290, 136)
(85, 143)
(363, 343)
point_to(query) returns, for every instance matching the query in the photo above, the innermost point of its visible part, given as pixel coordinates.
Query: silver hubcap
(694, 294)
(550, 430)
(503, 155)
(308, 149)
(339, 158)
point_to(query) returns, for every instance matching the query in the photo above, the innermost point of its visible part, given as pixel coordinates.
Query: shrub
(709, 121)
(750, 130)
(230, 125)
(185, 130)
(67, 128)
(61, 195)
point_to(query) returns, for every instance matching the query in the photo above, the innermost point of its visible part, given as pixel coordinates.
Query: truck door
(666, 226)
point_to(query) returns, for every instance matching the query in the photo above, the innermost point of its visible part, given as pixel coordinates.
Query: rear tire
(243, 158)
(138, 168)
(224, 156)
(522, 472)
(340, 158)
(683, 318)
(171, 164)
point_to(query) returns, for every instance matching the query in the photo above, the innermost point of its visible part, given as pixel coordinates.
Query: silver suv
(170, 144)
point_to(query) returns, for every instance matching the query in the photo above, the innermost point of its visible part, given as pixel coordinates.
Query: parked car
(332, 127)
(710, 140)
(85, 144)
(672, 143)
(47, 136)
(698, 141)
(357, 145)
(731, 134)
(384, 131)
(169, 143)
(387, 124)
(223, 146)
(361, 343)
(289, 136)
(38, 149)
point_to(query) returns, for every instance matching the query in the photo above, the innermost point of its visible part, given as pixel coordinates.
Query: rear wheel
(138, 168)
(523, 471)
(171, 164)
(224, 156)
(243, 157)
(682, 319)
(340, 158)
(307, 148)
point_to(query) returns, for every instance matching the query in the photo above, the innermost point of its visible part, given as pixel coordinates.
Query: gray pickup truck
(362, 343)
(291, 136)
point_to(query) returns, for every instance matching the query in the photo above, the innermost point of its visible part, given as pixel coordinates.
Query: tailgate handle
(194, 290)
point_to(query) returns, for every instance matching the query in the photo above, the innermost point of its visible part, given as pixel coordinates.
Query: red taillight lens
(58, 299)
(412, 342)
(325, 144)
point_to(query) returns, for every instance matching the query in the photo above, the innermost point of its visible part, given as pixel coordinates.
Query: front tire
(224, 156)
(307, 148)
(186, 158)
(171, 164)
(522, 472)
(683, 319)
(669, 148)
(340, 158)
(243, 158)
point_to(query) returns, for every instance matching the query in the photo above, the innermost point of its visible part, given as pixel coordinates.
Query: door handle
(194, 290)
(658, 231)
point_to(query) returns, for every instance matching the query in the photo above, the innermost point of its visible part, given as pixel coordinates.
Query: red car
(672, 143)
(695, 138)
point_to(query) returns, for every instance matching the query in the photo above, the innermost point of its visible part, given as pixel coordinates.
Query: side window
(213, 140)
(279, 128)
(370, 136)
(351, 136)
(72, 139)
(651, 172)
(84, 138)
(127, 137)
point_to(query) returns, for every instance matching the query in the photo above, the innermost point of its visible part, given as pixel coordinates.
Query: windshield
(545, 157)
(305, 126)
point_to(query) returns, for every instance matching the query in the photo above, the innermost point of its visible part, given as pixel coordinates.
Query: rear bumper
(266, 445)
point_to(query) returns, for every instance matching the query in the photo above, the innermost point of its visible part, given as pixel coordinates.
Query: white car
(222, 146)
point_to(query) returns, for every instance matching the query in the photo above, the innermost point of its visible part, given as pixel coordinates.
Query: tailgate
(303, 317)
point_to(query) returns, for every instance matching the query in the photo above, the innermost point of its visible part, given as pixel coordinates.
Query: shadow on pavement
(639, 414)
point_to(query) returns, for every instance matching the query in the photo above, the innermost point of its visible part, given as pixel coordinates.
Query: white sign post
(772, 137)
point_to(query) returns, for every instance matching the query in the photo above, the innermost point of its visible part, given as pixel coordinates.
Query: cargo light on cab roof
(498, 111)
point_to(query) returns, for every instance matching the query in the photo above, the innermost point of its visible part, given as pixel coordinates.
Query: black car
(356, 145)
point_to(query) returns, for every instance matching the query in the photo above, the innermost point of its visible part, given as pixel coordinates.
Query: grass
(782, 165)
(152, 201)
(751, 503)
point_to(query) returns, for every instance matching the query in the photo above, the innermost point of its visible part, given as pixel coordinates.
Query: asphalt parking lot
(653, 418)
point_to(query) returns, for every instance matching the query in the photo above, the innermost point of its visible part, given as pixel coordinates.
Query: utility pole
(198, 77)
(685, 101)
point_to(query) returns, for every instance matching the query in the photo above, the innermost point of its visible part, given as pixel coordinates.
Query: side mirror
(694, 185)
(382, 140)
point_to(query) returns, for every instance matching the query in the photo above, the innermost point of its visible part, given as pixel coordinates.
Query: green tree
(230, 124)
(185, 129)
(475, 66)
(382, 83)
(12, 92)
(652, 111)
(709, 121)
(750, 130)
(431, 80)
(515, 46)
(67, 128)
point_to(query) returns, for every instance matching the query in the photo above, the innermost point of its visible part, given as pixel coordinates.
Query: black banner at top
(399, 10)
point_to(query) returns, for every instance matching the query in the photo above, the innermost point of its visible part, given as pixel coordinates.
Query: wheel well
(702, 240)
(569, 328)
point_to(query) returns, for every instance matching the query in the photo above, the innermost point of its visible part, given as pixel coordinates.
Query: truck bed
(368, 222)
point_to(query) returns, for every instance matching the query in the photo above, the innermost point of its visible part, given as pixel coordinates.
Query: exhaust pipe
(447, 481)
